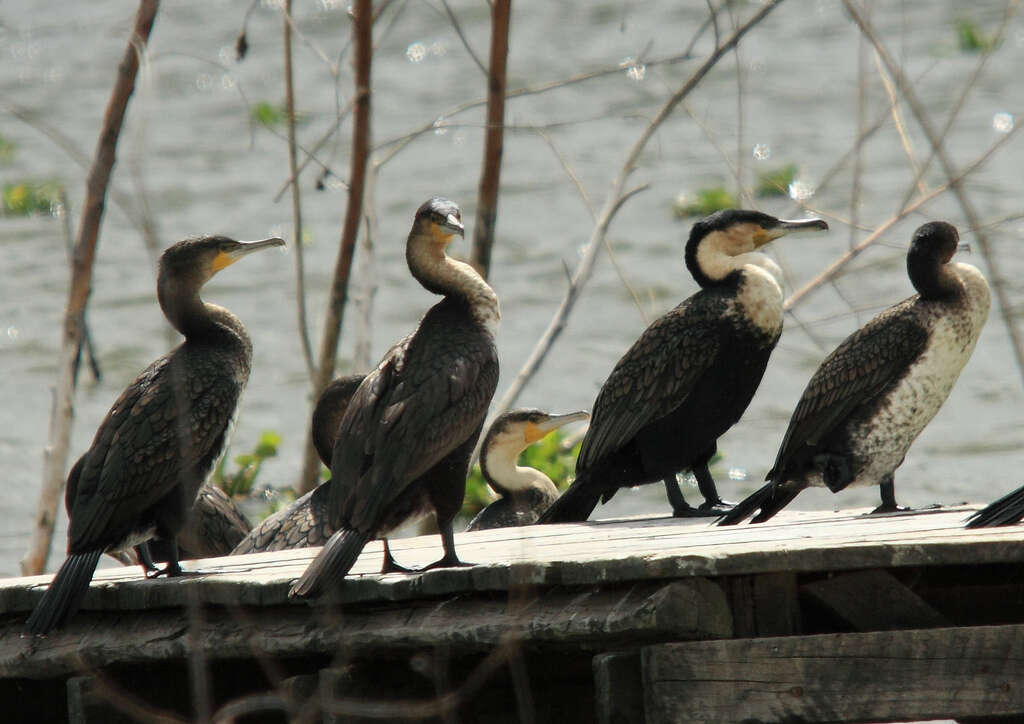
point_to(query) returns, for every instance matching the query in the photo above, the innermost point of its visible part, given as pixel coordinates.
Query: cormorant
(525, 492)
(872, 396)
(1007, 510)
(162, 437)
(690, 375)
(305, 523)
(404, 444)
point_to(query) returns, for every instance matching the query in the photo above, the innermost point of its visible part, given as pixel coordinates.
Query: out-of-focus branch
(490, 176)
(362, 29)
(952, 174)
(300, 281)
(98, 181)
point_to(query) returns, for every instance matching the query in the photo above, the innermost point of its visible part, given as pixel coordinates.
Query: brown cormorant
(690, 375)
(305, 523)
(1007, 510)
(162, 437)
(872, 396)
(525, 492)
(404, 444)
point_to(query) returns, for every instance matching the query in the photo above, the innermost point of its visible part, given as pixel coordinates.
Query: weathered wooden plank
(874, 600)
(576, 554)
(589, 619)
(618, 687)
(868, 677)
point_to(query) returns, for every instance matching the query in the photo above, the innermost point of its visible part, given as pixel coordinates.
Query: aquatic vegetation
(971, 39)
(705, 201)
(25, 198)
(241, 481)
(776, 181)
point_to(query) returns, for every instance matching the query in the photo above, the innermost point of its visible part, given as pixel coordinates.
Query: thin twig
(955, 180)
(300, 280)
(465, 42)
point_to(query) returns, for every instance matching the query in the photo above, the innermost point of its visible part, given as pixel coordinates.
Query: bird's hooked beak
(244, 248)
(537, 430)
(452, 225)
(785, 226)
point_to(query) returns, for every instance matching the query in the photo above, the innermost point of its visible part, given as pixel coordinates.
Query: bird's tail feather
(574, 505)
(65, 593)
(1008, 510)
(328, 569)
(769, 499)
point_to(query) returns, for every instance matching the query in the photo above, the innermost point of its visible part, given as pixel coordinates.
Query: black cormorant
(876, 391)
(525, 492)
(1007, 510)
(404, 444)
(305, 523)
(690, 375)
(164, 434)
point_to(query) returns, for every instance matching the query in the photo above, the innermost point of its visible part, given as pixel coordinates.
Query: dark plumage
(1008, 510)
(525, 492)
(140, 476)
(403, 445)
(305, 523)
(213, 528)
(690, 375)
(872, 396)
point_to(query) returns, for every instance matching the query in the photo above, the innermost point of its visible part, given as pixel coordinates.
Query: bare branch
(465, 43)
(490, 177)
(300, 281)
(363, 32)
(55, 456)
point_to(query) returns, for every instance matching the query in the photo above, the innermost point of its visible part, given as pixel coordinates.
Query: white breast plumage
(759, 299)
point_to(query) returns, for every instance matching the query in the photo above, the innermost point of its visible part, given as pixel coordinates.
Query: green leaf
(706, 201)
(775, 182)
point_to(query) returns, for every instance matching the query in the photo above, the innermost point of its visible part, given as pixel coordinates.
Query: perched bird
(525, 492)
(163, 435)
(305, 523)
(876, 391)
(1007, 510)
(404, 443)
(690, 375)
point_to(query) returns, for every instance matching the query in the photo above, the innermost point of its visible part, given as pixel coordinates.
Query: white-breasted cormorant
(162, 437)
(525, 492)
(404, 444)
(690, 375)
(874, 394)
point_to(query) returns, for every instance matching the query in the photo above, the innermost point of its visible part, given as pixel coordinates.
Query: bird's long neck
(716, 265)
(440, 274)
(501, 472)
(934, 280)
(198, 320)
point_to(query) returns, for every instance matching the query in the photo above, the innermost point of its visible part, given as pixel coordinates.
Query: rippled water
(189, 150)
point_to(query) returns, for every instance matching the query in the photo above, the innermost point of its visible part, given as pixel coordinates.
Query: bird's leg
(146, 559)
(390, 564)
(713, 504)
(888, 489)
(173, 567)
(450, 559)
(680, 508)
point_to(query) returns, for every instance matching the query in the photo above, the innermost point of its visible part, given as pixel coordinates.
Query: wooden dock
(810, 617)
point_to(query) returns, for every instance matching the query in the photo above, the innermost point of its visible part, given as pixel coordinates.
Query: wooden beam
(618, 688)
(874, 600)
(587, 619)
(879, 676)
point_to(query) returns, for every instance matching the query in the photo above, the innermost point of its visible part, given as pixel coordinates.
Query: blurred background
(798, 121)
